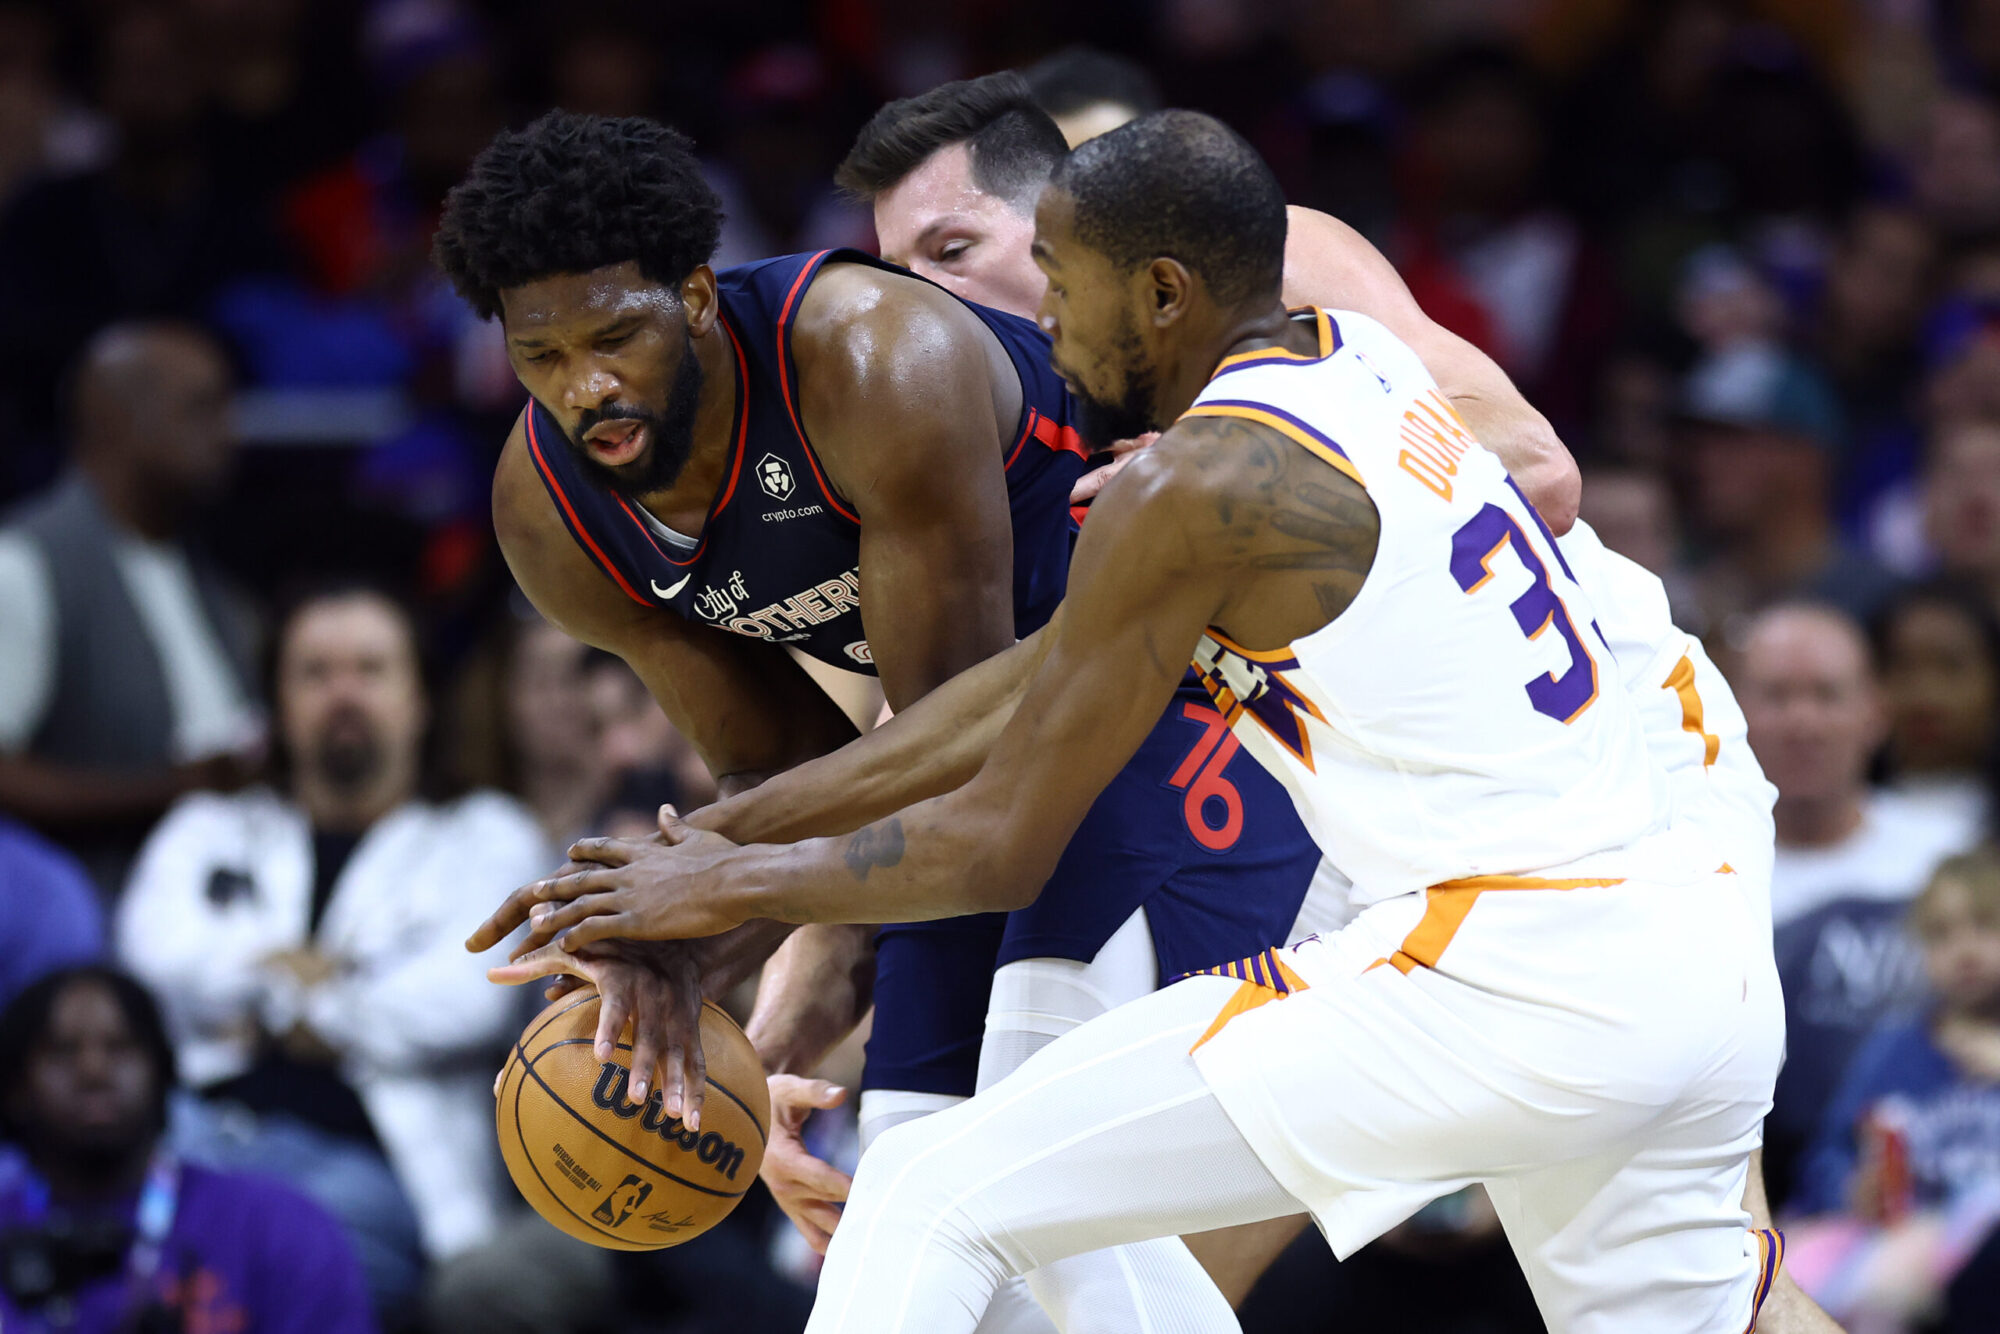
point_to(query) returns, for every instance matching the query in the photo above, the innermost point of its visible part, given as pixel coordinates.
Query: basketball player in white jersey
(1595, 1042)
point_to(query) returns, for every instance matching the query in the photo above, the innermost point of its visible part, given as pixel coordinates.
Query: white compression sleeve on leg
(1013, 1309)
(1157, 1287)
(885, 1109)
(1107, 1137)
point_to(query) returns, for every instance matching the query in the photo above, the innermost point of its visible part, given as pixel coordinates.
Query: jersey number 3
(1473, 547)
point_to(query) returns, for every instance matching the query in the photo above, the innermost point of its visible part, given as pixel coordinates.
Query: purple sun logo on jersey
(1241, 681)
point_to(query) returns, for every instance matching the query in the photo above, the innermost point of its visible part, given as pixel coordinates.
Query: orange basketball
(627, 1177)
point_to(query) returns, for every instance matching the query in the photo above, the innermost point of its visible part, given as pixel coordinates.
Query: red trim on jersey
(785, 385)
(742, 433)
(575, 524)
(1027, 429)
(1063, 439)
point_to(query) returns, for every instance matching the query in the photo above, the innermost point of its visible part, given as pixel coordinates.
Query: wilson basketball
(616, 1174)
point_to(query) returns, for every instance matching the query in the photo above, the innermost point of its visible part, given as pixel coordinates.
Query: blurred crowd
(276, 730)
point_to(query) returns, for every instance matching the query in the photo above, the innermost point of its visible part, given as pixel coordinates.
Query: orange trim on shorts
(1527, 882)
(1445, 907)
(1278, 981)
(1681, 681)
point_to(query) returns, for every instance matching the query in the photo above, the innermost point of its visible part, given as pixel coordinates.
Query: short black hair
(572, 193)
(1183, 185)
(25, 1023)
(1081, 76)
(1014, 143)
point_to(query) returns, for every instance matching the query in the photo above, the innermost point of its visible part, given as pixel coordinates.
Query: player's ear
(698, 298)
(1169, 286)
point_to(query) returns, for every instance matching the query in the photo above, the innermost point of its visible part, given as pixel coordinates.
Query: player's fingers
(647, 1072)
(613, 1010)
(824, 1093)
(818, 1178)
(822, 1218)
(563, 985)
(1088, 485)
(547, 961)
(552, 920)
(817, 1237)
(693, 1076)
(603, 851)
(610, 924)
(1137, 442)
(668, 812)
(513, 911)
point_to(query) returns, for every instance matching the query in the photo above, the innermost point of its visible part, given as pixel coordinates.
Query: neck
(1816, 822)
(147, 511)
(684, 506)
(1243, 329)
(340, 810)
(72, 1181)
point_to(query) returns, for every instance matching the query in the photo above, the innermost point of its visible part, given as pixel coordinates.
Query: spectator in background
(556, 732)
(1481, 244)
(648, 761)
(150, 233)
(104, 1232)
(124, 657)
(1761, 435)
(49, 914)
(307, 944)
(1870, 310)
(1938, 647)
(1632, 510)
(1910, 1146)
(1961, 501)
(1089, 92)
(1849, 858)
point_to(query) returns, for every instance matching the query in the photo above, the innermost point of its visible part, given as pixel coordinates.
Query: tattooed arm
(1221, 523)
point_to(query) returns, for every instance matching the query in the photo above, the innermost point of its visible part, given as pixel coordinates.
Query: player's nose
(590, 390)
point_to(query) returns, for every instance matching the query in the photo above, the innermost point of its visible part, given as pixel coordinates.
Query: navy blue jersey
(779, 556)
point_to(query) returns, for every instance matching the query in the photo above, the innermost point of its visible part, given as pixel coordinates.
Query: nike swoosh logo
(670, 592)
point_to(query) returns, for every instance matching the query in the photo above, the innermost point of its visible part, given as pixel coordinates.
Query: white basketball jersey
(1694, 727)
(1464, 717)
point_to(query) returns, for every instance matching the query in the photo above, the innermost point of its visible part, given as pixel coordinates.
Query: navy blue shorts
(1192, 830)
(932, 981)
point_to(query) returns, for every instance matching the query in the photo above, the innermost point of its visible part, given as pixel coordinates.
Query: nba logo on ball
(775, 476)
(623, 1202)
(621, 1174)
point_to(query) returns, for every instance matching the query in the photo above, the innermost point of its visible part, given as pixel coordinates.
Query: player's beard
(670, 435)
(1103, 423)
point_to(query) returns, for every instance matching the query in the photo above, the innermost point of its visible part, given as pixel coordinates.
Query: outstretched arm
(1155, 566)
(1328, 263)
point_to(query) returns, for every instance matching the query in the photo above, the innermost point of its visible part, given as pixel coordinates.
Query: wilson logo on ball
(709, 1148)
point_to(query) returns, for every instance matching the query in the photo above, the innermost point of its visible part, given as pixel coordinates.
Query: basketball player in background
(1595, 1043)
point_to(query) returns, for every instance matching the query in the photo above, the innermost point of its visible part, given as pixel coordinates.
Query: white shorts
(1600, 1056)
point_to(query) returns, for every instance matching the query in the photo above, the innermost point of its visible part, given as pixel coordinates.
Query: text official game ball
(627, 1177)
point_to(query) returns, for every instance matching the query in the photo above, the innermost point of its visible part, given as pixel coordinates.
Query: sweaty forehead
(1056, 243)
(562, 299)
(939, 192)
